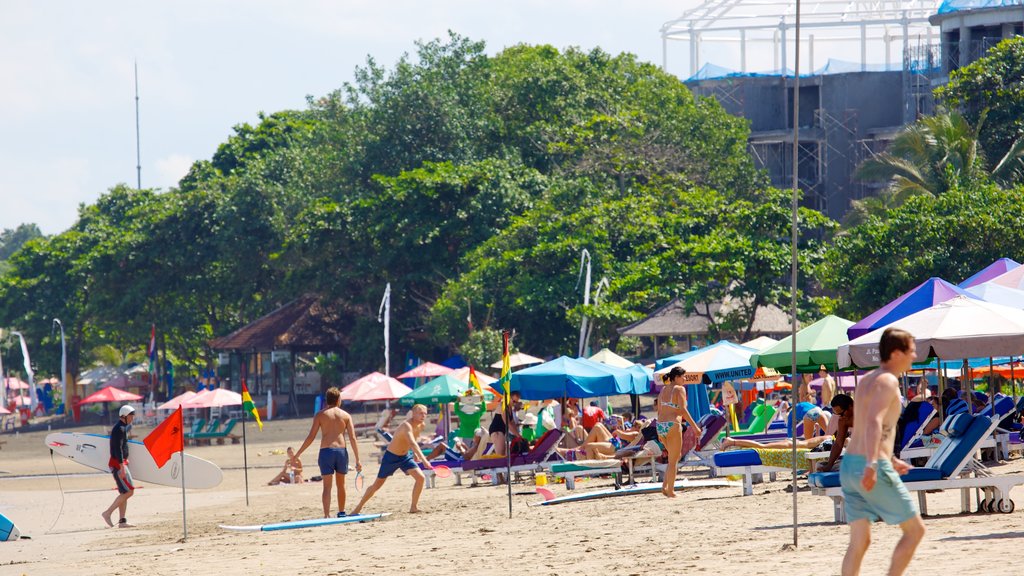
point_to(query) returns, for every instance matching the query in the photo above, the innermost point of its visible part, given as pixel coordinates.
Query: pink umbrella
(178, 400)
(426, 370)
(110, 394)
(375, 386)
(16, 384)
(213, 398)
(463, 375)
(23, 401)
(4, 410)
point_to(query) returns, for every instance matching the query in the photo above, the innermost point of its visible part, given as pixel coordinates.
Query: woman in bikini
(672, 413)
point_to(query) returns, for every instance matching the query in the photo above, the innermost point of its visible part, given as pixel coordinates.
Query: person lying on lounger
(787, 443)
(600, 444)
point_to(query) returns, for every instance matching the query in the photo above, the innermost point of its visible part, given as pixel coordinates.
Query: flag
(474, 382)
(505, 382)
(248, 405)
(151, 351)
(166, 439)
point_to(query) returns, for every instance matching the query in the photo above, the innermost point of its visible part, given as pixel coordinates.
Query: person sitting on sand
(399, 455)
(291, 473)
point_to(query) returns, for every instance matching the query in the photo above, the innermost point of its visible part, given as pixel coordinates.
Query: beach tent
(959, 328)
(998, 294)
(519, 359)
(374, 386)
(606, 356)
(927, 294)
(997, 268)
(426, 370)
(566, 377)
(815, 346)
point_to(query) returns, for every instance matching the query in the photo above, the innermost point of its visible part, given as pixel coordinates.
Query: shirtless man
(869, 457)
(399, 455)
(842, 423)
(333, 423)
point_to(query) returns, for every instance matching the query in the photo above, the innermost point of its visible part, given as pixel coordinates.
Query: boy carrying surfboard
(119, 467)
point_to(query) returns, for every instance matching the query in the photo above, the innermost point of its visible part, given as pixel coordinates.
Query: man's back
(878, 396)
(333, 425)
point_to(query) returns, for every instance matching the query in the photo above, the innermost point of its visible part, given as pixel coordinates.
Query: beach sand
(465, 530)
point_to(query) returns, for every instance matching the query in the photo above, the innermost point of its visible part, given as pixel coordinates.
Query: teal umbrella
(441, 390)
(816, 345)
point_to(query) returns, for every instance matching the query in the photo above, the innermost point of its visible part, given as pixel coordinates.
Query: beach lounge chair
(707, 446)
(951, 467)
(587, 468)
(754, 463)
(926, 447)
(219, 435)
(538, 458)
(763, 414)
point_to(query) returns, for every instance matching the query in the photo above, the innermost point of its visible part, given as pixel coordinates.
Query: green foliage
(13, 239)
(483, 348)
(328, 366)
(951, 237)
(991, 88)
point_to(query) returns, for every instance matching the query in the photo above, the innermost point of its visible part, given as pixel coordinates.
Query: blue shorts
(390, 464)
(333, 461)
(889, 499)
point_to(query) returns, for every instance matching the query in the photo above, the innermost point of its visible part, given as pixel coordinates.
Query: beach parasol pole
(793, 238)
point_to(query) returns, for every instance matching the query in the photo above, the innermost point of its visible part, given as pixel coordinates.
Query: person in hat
(119, 467)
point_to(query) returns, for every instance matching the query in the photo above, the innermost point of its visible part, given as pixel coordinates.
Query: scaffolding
(876, 28)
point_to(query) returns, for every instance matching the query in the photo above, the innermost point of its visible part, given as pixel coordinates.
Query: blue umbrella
(566, 377)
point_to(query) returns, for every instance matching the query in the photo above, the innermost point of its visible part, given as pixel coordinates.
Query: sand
(464, 530)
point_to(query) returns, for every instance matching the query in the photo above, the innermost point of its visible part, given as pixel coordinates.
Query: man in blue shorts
(399, 456)
(334, 424)
(869, 473)
(119, 467)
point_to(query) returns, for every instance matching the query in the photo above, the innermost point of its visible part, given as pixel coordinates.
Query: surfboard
(8, 531)
(93, 450)
(643, 488)
(306, 523)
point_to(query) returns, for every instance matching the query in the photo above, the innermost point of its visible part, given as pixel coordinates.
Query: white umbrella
(606, 356)
(761, 343)
(957, 328)
(519, 359)
(998, 294)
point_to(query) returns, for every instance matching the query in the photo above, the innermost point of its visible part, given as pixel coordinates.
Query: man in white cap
(119, 467)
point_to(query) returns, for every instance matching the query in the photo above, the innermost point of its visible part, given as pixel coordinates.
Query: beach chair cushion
(962, 446)
(734, 458)
(956, 406)
(711, 424)
(586, 466)
(823, 479)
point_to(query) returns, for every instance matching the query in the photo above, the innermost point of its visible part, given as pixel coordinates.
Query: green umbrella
(815, 345)
(441, 390)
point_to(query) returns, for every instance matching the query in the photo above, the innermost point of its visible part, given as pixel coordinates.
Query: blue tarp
(958, 5)
(566, 377)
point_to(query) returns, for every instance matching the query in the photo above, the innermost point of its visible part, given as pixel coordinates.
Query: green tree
(11, 239)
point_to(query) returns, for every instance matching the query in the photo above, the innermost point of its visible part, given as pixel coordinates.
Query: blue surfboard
(8, 531)
(306, 523)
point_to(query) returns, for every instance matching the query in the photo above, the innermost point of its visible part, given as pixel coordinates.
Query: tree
(13, 239)
(950, 236)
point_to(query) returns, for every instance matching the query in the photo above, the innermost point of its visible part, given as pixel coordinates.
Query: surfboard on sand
(8, 531)
(644, 488)
(93, 450)
(306, 523)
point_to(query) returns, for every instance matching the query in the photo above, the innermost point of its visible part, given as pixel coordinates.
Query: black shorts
(497, 424)
(125, 484)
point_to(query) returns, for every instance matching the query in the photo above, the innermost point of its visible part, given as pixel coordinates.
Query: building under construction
(881, 61)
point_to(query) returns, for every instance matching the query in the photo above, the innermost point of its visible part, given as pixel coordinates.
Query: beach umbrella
(213, 398)
(178, 400)
(997, 268)
(110, 394)
(958, 328)
(426, 370)
(566, 377)
(13, 383)
(4, 410)
(440, 390)
(519, 359)
(606, 356)
(1011, 279)
(815, 345)
(713, 365)
(374, 386)
(998, 294)
(760, 343)
(670, 360)
(927, 294)
(463, 374)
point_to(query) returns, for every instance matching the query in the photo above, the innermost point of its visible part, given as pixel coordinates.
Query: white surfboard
(359, 518)
(93, 450)
(8, 531)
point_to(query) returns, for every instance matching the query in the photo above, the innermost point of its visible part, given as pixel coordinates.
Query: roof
(674, 319)
(305, 324)
(958, 5)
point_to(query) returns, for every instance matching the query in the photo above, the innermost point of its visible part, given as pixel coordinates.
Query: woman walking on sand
(677, 430)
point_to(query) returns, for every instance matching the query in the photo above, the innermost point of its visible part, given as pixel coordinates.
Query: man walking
(869, 472)
(334, 424)
(119, 467)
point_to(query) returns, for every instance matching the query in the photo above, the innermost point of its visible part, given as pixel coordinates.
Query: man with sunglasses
(842, 409)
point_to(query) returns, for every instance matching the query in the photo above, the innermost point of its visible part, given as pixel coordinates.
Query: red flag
(166, 439)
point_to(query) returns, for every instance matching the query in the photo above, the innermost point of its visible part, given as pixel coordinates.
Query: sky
(67, 89)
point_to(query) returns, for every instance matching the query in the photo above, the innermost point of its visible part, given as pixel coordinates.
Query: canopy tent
(670, 360)
(441, 390)
(110, 394)
(426, 370)
(519, 359)
(927, 294)
(606, 356)
(815, 346)
(566, 377)
(959, 328)
(997, 268)
(214, 398)
(178, 400)
(760, 343)
(998, 294)
(374, 386)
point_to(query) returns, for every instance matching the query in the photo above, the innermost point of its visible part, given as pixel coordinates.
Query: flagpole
(184, 522)
(245, 459)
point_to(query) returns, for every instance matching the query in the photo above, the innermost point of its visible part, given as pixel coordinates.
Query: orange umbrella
(1003, 370)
